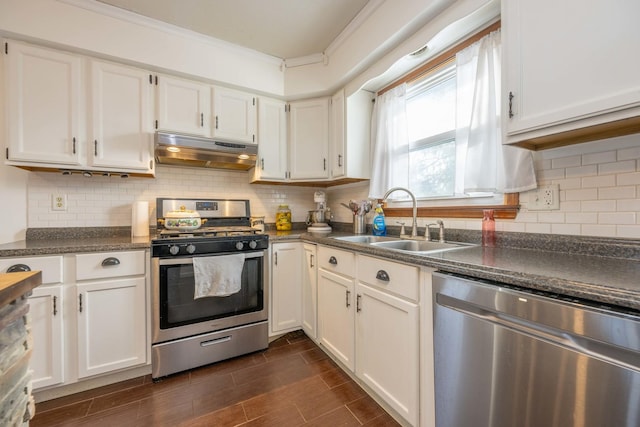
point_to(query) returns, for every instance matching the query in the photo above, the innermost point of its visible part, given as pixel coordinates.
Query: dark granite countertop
(569, 268)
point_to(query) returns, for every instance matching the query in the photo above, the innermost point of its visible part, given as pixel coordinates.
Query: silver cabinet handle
(95, 147)
(55, 305)
(382, 275)
(311, 260)
(333, 260)
(348, 297)
(80, 302)
(111, 261)
(358, 299)
(18, 268)
(275, 260)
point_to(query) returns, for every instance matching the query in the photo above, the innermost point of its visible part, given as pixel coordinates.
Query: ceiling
(282, 28)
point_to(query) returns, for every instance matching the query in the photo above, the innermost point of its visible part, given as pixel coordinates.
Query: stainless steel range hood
(195, 151)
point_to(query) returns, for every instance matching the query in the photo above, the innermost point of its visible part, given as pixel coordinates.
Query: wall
(106, 201)
(599, 193)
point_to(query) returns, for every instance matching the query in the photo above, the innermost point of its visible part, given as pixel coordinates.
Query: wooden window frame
(511, 204)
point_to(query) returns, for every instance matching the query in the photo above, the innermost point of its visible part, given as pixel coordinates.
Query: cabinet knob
(111, 261)
(382, 275)
(333, 260)
(18, 268)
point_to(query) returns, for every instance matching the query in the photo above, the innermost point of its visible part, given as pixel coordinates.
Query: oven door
(176, 314)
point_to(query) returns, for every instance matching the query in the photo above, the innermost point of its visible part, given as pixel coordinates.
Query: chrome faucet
(414, 226)
(440, 224)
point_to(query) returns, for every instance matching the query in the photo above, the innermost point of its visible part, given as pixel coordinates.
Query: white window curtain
(487, 164)
(389, 142)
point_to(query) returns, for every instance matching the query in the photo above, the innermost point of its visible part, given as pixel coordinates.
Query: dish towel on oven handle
(217, 276)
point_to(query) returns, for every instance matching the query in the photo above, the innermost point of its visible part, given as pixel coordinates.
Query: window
(431, 123)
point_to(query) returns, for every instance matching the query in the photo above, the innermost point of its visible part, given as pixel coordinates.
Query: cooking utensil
(184, 219)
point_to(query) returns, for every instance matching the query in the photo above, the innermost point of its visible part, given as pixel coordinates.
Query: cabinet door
(184, 106)
(387, 333)
(122, 130)
(310, 291)
(44, 105)
(335, 316)
(111, 325)
(286, 287)
(337, 135)
(309, 139)
(272, 140)
(47, 358)
(584, 77)
(234, 116)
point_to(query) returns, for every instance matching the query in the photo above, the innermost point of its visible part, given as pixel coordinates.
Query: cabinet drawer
(51, 266)
(400, 279)
(337, 261)
(103, 265)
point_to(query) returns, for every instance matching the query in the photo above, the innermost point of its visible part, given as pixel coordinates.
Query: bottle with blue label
(379, 226)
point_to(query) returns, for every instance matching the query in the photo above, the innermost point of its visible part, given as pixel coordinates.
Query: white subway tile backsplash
(615, 193)
(628, 205)
(622, 218)
(566, 162)
(628, 178)
(599, 181)
(566, 229)
(581, 218)
(628, 231)
(599, 206)
(629, 153)
(599, 230)
(597, 158)
(581, 194)
(581, 171)
(617, 167)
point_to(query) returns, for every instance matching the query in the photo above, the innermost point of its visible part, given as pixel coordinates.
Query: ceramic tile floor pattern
(292, 383)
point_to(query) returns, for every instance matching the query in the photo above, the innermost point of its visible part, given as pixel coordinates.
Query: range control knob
(174, 249)
(253, 244)
(191, 248)
(239, 246)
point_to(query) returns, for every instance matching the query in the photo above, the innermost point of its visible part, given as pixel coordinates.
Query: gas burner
(208, 232)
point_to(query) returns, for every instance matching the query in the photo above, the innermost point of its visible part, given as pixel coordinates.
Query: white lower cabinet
(111, 325)
(111, 312)
(47, 358)
(368, 319)
(46, 309)
(286, 289)
(310, 291)
(387, 333)
(95, 325)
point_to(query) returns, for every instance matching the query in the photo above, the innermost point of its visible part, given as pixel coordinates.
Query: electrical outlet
(545, 198)
(59, 202)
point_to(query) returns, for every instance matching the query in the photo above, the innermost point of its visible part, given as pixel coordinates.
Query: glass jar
(488, 228)
(283, 218)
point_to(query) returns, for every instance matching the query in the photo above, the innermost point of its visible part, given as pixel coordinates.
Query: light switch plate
(545, 198)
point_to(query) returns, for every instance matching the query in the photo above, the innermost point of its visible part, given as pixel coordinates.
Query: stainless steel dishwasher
(511, 358)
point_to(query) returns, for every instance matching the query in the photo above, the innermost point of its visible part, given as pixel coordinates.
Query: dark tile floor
(292, 383)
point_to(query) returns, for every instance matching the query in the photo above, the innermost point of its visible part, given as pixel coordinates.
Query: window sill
(507, 210)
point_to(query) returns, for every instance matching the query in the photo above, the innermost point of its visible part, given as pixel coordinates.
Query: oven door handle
(215, 341)
(189, 260)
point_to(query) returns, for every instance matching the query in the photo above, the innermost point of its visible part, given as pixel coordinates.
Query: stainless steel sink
(420, 245)
(366, 239)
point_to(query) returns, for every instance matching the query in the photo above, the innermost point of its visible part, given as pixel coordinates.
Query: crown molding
(137, 19)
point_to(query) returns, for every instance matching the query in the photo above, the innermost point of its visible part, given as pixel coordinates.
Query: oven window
(178, 307)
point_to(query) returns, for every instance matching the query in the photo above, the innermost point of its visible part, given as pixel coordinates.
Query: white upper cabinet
(183, 106)
(44, 95)
(122, 131)
(272, 140)
(571, 71)
(70, 112)
(234, 115)
(350, 134)
(309, 139)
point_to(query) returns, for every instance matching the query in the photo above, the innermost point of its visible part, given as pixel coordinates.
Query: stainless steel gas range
(209, 284)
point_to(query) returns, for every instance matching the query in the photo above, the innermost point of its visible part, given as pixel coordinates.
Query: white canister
(257, 223)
